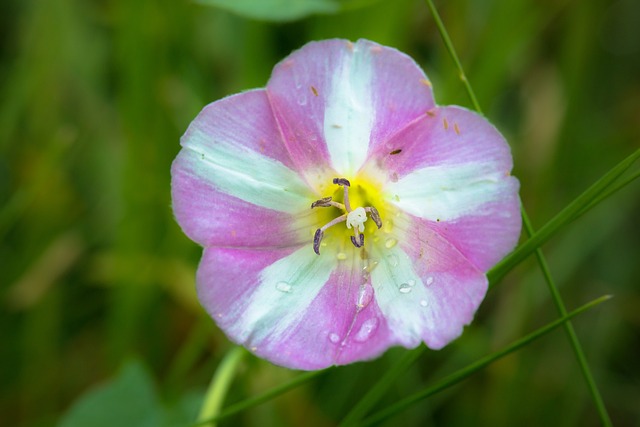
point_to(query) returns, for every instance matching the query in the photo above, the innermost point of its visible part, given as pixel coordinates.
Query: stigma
(354, 218)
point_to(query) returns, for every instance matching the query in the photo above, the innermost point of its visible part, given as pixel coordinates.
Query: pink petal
(333, 99)
(232, 184)
(457, 180)
(315, 317)
(425, 288)
(445, 136)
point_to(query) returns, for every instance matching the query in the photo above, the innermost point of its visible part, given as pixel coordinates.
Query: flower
(341, 211)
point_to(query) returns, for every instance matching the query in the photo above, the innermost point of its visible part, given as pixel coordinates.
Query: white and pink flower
(341, 211)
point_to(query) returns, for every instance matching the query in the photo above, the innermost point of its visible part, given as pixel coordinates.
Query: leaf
(126, 400)
(275, 10)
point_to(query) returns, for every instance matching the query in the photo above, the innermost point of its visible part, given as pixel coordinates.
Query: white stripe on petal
(350, 114)
(449, 192)
(405, 301)
(286, 290)
(245, 174)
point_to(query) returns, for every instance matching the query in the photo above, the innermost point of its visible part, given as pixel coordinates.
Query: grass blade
(377, 391)
(261, 398)
(587, 200)
(476, 366)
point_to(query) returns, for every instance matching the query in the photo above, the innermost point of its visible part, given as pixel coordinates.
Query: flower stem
(220, 384)
(568, 327)
(452, 52)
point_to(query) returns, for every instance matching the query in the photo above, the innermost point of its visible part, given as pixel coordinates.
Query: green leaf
(127, 400)
(275, 10)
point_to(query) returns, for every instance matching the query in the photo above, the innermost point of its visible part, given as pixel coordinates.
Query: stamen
(345, 186)
(323, 203)
(317, 238)
(360, 243)
(354, 218)
(375, 215)
(342, 181)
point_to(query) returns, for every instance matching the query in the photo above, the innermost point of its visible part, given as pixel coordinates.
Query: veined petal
(270, 302)
(426, 290)
(232, 183)
(448, 192)
(334, 99)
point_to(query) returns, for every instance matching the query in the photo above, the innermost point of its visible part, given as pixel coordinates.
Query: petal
(232, 183)
(445, 136)
(426, 290)
(457, 180)
(333, 99)
(485, 236)
(269, 302)
(292, 307)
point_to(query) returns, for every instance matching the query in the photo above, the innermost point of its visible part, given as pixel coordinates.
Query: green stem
(261, 398)
(219, 386)
(452, 52)
(568, 327)
(476, 366)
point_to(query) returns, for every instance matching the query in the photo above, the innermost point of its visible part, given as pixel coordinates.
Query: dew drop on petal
(387, 227)
(404, 288)
(424, 303)
(389, 243)
(429, 280)
(334, 338)
(411, 282)
(283, 287)
(366, 330)
(341, 256)
(369, 267)
(365, 295)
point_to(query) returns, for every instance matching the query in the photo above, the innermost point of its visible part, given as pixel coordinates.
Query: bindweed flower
(341, 211)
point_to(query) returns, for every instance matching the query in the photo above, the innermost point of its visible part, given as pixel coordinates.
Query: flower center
(354, 218)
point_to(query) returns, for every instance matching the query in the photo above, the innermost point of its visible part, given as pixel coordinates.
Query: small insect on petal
(394, 152)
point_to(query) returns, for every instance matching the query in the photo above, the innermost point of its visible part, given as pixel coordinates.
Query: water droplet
(283, 287)
(429, 280)
(365, 295)
(393, 260)
(302, 100)
(387, 227)
(404, 288)
(411, 282)
(390, 243)
(341, 256)
(370, 265)
(424, 303)
(334, 338)
(367, 329)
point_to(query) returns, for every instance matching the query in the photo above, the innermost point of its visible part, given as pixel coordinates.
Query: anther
(317, 238)
(342, 181)
(375, 215)
(358, 243)
(323, 203)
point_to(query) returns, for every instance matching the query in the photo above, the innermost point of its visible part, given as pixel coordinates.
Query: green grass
(94, 270)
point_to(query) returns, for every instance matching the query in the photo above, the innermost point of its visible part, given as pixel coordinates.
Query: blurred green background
(95, 273)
